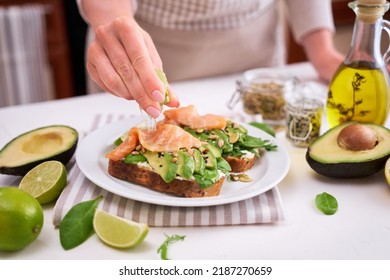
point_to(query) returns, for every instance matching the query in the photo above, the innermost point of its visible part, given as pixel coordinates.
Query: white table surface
(359, 230)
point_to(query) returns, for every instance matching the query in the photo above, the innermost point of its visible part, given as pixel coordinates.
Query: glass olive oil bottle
(359, 92)
(360, 88)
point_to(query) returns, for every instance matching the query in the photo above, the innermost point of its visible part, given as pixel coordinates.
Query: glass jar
(303, 118)
(264, 92)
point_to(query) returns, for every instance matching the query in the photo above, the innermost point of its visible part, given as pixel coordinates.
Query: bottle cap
(369, 11)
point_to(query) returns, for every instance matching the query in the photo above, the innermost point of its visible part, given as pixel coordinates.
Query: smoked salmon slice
(126, 147)
(189, 116)
(165, 138)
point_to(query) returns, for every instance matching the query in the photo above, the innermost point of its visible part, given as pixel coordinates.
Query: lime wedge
(164, 80)
(45, 181)
(118, 232)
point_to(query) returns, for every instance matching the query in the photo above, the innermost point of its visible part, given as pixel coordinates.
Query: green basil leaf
(326, 203)
(163, 249)
(76, 226)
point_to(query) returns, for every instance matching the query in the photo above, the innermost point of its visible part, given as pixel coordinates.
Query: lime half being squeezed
(164, 80)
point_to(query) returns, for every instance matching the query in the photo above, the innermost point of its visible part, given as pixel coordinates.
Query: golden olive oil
(358, 92)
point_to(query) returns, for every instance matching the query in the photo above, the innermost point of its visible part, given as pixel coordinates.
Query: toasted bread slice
(148, 178)
(240, 164)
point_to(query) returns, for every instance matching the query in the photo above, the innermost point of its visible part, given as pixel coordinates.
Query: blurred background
(42, 44)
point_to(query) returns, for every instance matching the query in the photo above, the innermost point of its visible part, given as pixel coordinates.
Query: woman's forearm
(102, 12)
(322, 53)
(318, 43)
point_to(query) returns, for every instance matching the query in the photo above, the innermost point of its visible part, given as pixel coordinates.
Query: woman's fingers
(122, 61)
(113, 73)
(141, 56)
(93, 72)
(102, 72)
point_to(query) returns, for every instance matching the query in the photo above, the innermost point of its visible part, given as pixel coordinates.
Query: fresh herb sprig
(348, 113)
(163, 249)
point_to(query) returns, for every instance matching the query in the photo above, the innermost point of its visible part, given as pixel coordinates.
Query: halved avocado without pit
(21, 154)
(333, 155)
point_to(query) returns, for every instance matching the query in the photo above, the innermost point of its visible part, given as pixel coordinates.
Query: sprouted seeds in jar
(266, 99)
(303, 119)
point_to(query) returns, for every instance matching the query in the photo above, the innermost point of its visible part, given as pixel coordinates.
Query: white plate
(268, 171)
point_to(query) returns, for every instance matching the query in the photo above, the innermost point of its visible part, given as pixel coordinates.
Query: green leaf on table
(76, 226)
(326, 203)
(163, 249)
(265, 127)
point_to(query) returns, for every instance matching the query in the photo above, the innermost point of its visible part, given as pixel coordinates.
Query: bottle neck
(366, 36)
(365, 44)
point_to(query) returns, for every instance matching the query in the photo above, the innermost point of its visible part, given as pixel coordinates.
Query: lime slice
(164, 80)
(118, 232)
(45, 181)
(387, 171)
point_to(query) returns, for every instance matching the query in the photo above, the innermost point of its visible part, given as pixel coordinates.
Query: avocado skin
(347, 170)
(22, 170)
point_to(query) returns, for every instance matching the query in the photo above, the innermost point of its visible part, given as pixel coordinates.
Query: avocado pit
(357, 137)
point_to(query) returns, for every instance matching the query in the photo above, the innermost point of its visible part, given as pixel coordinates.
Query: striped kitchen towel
(263, 208)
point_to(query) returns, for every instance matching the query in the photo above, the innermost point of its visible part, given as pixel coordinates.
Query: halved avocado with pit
(329, 157)
(21, 154)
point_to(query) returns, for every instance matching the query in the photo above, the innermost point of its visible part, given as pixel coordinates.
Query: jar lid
(304, 104)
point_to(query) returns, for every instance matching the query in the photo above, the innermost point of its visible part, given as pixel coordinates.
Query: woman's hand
(122, 60)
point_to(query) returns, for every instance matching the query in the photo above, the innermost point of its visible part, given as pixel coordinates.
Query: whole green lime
(21, 219)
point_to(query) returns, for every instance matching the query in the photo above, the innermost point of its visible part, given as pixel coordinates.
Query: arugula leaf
(163, 249)
(326, 203)
(77, 225)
